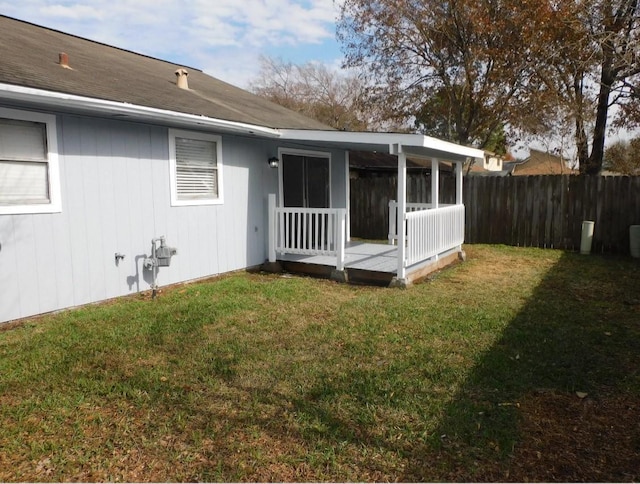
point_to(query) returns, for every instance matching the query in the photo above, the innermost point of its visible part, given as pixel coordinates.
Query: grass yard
(520, 364)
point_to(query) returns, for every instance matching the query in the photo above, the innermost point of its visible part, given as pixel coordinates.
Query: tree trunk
(582, 144)
(607, 78)
(594, 163)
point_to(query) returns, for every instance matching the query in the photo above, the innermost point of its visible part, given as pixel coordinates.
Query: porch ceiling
(415, 145)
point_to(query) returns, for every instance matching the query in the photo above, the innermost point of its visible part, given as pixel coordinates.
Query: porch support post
(392, 236)
(340, 236)
(271, 232)
(459, 201)
(339, 273)
(401, 276)
(347, 195)
(435, 183)
(459, 168)
(272, 265)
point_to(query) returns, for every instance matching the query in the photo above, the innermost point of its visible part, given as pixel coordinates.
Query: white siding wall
(115, 198)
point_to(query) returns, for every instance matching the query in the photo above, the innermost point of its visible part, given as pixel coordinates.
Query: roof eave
(124, 111)
(413, 144)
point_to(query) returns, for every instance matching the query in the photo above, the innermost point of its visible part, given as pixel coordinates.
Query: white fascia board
(53, 100)
(411, 143)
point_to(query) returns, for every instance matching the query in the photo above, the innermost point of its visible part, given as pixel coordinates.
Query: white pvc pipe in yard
(587, 237)
(634, 240)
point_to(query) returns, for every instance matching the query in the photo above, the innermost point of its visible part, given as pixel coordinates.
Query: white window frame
(54, 204)
(179, 133)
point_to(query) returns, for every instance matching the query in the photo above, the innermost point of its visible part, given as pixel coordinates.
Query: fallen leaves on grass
(568, 439)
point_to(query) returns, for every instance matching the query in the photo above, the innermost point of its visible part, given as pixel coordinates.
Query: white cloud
(235, 66)
(73, 12)
(257, 22)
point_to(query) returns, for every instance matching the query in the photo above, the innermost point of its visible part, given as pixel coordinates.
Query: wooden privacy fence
(531, 211)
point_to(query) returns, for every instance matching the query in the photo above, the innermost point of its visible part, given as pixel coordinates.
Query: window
(196, 168)
(305, 178)
(29, 179)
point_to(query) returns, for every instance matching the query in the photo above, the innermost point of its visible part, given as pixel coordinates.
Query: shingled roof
(541, 163)
(30, 58)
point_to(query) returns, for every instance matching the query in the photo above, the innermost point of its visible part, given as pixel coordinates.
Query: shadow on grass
(554, 399)
(557, 397)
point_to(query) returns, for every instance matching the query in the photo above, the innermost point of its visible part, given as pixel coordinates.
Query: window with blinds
(24, 167)
(196, 168)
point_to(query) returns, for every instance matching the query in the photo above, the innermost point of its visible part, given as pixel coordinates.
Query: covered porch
(422, 237)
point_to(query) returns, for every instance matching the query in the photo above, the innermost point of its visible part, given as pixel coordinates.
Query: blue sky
(225, 38)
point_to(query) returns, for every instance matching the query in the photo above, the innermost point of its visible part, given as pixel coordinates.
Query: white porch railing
(307, 231)
(432, 232)
(393, 216)
(429, 231)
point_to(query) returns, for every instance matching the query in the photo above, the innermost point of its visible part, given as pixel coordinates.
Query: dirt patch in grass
(567, 438)
(563, 438)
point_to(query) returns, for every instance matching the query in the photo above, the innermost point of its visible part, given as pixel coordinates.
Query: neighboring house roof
(540, 163)
(484, 173)
(30, 58)
(491, 165)
(476, 168)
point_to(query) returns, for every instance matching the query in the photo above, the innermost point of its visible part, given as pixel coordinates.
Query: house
(121, 173)
(540, 163)
(491, 164)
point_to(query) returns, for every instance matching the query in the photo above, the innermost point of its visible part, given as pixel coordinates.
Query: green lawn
(479, 373)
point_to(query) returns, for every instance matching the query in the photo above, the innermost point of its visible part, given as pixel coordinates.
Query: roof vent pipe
(63, 60)
(181, 81)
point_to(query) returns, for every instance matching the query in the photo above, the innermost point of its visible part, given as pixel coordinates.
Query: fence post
(271, 232)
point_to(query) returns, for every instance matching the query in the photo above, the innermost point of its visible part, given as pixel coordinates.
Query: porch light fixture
(273, 162)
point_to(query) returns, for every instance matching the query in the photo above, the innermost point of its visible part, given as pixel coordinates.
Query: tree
(593, 64)
(460, 68)
(315, 90)
(623, 157)
(617, 33)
